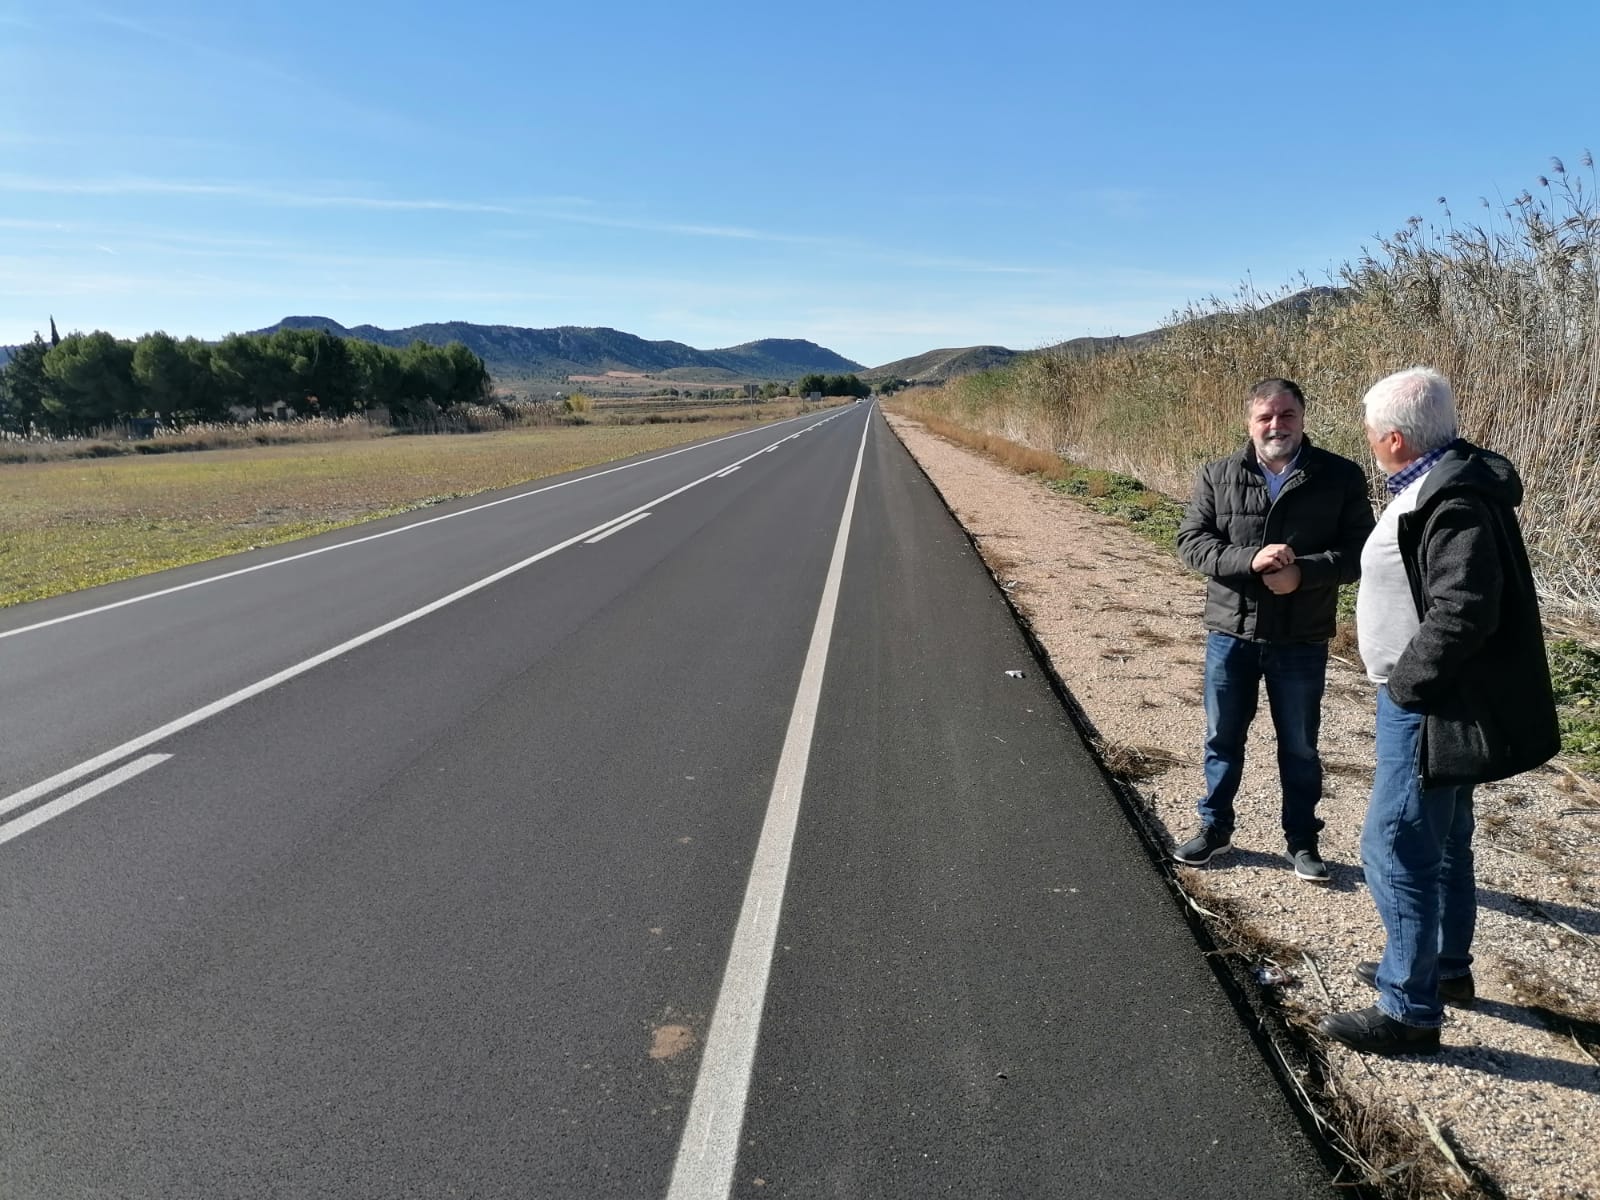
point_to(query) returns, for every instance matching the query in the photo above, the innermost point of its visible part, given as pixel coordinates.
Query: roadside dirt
(1515, 1094)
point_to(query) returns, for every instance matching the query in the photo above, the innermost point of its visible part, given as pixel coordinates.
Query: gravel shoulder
(1515, 1093)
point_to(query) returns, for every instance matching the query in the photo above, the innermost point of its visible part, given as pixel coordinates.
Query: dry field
(76, 523)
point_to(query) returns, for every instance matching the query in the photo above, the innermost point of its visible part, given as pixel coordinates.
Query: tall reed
(1507, 306)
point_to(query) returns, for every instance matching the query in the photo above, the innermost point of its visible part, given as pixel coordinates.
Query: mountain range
(512, 351)
(516, 354)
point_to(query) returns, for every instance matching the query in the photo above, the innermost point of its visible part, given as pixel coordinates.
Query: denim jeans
(1416, 847)
(1294, 674)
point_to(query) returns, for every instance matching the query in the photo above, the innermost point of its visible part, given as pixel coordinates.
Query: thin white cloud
(564, 210)
(683, 228)
(138, 186)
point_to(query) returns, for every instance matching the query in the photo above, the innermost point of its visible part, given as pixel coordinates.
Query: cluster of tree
(84, 380)
(833, 385)
(888, 387)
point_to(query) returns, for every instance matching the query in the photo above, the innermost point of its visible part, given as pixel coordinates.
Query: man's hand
(1273, 558)
(1282, 582)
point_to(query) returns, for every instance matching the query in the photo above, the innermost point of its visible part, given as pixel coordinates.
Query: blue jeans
(1295, 673)
(1416, 846)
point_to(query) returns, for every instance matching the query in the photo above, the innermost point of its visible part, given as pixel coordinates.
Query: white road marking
(88, 767)
(725, 474)
(620, 525)
(372, 537)
(709, 1149)
(72, 799)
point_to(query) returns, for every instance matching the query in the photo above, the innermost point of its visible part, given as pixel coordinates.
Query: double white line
(77, 796)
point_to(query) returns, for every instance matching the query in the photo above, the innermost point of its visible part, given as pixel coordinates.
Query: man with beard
(1276, 527)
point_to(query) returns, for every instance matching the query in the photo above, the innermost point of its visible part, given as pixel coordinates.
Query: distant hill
(511, 351)
(1300, 302)
(936, 366)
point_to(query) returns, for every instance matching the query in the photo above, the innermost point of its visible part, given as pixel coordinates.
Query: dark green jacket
(1323, 513)
(1476, 667)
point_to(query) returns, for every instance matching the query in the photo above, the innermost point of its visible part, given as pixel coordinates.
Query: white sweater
(1386, 615)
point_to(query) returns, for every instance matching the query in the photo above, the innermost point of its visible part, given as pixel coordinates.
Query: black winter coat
(1323, 512)
(1476, 668)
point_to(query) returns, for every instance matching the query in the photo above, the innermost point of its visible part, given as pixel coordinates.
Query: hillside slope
(515, 351)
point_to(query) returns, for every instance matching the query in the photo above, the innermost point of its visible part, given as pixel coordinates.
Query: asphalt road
(517, 850)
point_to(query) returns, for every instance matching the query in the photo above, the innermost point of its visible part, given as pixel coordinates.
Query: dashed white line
(77, 796)
(709, 1149)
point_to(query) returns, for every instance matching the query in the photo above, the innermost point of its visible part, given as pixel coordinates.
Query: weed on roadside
(1575, 673)
(1150, 514)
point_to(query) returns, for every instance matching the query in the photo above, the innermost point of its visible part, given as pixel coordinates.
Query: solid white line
(620, 525)
(372, 537)
(90, 766)
(725, 474)
(76, 797)
(709, 1149)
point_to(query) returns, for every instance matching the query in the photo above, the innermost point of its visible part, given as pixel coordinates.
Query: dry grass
(1380, 1147)
(1133, 764)
(1546, 998)
(1025, 460)
(69, 525)
(1509, 309)
(1150, 637)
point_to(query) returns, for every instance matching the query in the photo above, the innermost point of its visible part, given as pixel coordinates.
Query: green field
(73, 524)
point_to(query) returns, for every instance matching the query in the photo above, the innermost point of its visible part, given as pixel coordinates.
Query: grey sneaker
(1308, 865)
(1203, 847)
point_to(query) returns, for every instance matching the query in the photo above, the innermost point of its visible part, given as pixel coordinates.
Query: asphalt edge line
(708, 1152)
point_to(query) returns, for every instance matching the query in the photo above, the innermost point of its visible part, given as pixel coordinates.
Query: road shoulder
(1516, 1093)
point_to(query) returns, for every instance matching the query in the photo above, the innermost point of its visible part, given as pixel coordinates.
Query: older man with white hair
(1448, 625)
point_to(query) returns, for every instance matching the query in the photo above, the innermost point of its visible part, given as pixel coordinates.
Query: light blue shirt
(1275, 482)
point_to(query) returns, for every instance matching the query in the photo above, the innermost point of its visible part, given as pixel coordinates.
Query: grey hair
(1417, 404)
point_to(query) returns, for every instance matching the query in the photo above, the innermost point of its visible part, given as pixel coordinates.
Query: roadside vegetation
(1507, 304)
(1508, 307)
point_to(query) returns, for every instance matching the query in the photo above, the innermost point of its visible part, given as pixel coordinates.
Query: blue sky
(881, 178)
